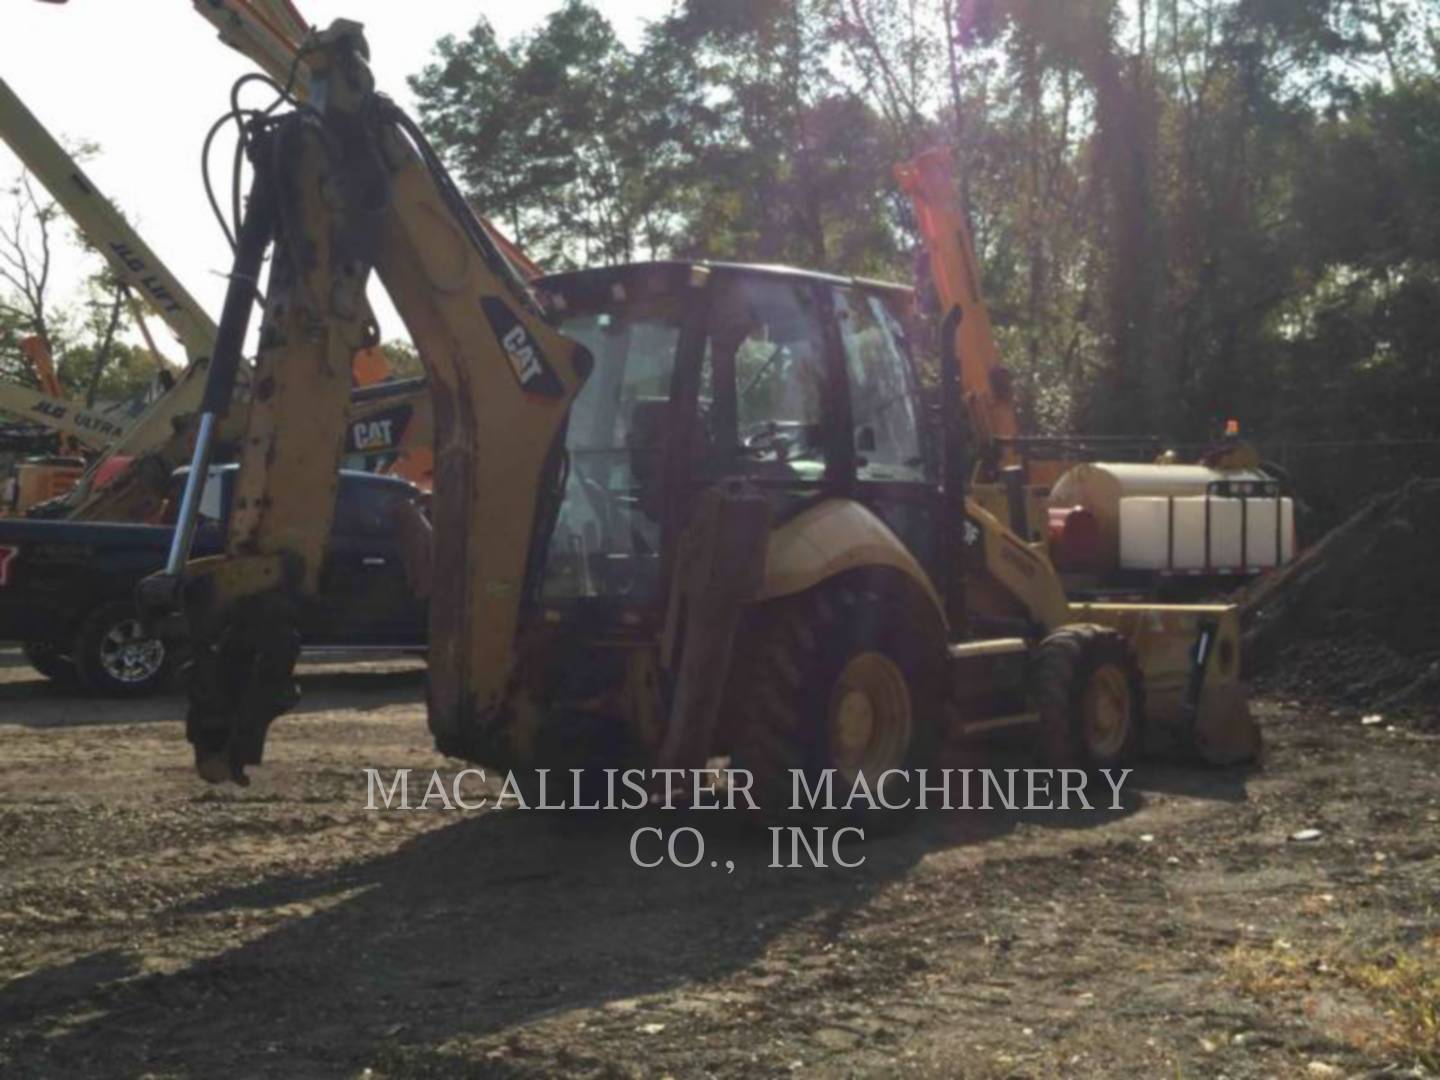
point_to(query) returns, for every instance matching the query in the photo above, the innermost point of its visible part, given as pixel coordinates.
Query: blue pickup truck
(67, 587)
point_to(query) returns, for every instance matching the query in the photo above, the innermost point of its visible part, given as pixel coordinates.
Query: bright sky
(146, 79)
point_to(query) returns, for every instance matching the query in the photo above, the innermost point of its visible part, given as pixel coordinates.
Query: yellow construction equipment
(155, 443)
(82, 428)
(681, 510)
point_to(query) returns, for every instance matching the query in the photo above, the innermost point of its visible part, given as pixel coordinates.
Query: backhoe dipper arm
(929, 180)
(347, 183)
(273, 34)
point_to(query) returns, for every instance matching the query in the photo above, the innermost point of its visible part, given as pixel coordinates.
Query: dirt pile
(1356, 618)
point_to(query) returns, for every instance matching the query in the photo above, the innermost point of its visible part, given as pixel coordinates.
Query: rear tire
(116, 658)
(48, 661)
(844, 677)
(1090, 696)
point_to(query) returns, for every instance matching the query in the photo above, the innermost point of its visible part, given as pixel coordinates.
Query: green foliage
(1185, 210)
(129, 372)
(542, 133)
(404, 361)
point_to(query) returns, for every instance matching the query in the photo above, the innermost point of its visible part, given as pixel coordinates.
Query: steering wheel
(767, 437)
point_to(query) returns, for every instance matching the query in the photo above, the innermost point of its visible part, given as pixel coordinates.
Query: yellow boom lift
(131, 462)
(153, 441)
(49, 407)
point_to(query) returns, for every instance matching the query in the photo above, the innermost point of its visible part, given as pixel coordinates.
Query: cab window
(884, 403)
(762, 393)
(606, 540)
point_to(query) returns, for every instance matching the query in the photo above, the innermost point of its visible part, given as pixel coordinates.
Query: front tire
(115, 656)
(844, 677)
(1090, 696)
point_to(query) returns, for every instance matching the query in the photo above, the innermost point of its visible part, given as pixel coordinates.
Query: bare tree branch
(102, 354)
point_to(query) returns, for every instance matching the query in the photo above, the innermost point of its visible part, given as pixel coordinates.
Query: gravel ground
(152, 926)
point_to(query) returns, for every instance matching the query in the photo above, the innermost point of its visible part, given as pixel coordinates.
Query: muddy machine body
(681, 511)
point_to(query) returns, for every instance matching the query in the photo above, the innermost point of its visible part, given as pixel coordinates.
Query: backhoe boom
(344, 190)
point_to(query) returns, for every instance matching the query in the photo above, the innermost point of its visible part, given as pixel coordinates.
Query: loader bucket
(1189, 656)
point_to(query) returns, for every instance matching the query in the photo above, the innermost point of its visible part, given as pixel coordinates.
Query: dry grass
(1406, 988)
(1400, 986)
(1264, 971)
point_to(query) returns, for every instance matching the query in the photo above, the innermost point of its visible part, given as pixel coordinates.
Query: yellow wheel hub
(1105, 709)
(870, 719)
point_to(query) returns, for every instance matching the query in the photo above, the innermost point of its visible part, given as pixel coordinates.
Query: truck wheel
(115, 657)
(844, 677)
(1090, 696)
(46, 658)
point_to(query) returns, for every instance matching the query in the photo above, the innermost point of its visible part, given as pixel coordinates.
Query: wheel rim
(1106, 710)
(128, 656)
(870, 719)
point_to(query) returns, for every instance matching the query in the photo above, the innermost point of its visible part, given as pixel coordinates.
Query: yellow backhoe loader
(681, 510)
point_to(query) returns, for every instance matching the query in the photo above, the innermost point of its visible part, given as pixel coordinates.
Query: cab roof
(680, 268)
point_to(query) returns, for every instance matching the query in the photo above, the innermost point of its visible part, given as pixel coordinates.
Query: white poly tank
(1226, 533)
(1189, 538)
(1144, 526)
(1260, 533)
(1240, 537)
(1101, 487)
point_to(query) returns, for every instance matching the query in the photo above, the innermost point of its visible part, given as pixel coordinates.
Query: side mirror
(865, 440)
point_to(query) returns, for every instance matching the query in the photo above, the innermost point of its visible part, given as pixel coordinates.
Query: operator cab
(801, 383)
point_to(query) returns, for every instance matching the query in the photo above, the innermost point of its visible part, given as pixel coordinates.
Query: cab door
(768, 398)
(894, 468)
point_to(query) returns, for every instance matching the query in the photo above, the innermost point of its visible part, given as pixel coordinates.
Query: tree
(1185, 210)
(404, 361)
(795, 166)
(542, 134)
(25, 268)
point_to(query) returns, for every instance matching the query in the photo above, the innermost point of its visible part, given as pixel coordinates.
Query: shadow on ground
(467, 930)
(31, 700)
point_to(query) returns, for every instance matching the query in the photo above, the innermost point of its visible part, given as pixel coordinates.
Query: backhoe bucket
(1189, 656)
